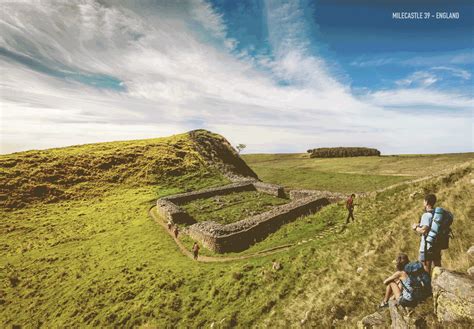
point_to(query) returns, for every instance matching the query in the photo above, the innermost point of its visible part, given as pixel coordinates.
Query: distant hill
(88, 170)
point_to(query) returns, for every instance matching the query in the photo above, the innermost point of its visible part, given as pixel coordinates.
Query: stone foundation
(240, 235)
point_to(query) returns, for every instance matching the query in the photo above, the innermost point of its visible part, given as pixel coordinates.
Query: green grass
(225, 209)
(347, 175)
(96, 259)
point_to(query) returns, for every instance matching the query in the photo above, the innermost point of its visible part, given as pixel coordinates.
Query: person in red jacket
(196, 250)
(350, 208)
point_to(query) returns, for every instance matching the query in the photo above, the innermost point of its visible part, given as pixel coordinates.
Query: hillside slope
(89, 170)
(96, 259)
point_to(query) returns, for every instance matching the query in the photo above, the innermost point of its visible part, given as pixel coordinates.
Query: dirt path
(208, 259)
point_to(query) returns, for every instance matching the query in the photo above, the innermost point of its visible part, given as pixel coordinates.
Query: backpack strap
(432, 212)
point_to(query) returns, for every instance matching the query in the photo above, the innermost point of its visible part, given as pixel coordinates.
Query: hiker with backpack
(409, 285)
(435, 230)
(395, 287)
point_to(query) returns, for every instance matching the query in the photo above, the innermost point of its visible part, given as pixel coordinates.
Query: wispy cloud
(418, 78)
(414, 60)
(145, 69)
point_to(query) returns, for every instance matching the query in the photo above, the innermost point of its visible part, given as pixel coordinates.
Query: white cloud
(176, 80)
(418, 78)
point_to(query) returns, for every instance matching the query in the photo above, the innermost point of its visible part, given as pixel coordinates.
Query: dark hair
(430, 199)
(402, 260)
(353, 195)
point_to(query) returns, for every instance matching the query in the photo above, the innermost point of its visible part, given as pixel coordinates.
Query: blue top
(406, 293)
(425, 221)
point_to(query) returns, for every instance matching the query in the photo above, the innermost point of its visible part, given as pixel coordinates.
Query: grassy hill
(89, 255)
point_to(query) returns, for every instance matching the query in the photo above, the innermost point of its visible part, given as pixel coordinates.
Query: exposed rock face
(453, 295)
(377, 320)
(219, 153)
(399, 320)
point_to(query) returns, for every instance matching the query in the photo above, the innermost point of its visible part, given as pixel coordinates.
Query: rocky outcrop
(220, 154)
(398, 317)
(377, 320)
(453, 295)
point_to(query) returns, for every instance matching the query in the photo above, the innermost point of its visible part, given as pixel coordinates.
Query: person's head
(353, 195)
(402, 260)
(430, 200)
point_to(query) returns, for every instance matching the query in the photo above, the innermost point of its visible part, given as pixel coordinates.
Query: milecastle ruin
(242, 234)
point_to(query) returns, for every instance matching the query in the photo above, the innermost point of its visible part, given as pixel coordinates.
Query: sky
(278, 76)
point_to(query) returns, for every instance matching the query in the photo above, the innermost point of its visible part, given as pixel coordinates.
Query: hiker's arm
(421, 229)
(391, 278)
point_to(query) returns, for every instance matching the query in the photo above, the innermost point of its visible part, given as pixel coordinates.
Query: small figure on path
(350, 208)
(176, 231)
(196, 250)
(170, 224)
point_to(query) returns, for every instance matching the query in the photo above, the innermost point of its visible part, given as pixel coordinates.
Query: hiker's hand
(414, 226)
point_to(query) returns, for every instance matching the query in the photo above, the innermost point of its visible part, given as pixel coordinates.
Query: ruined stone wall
(272, 189)
(182, 198)
(331, 196)
(240, 235)
(172, 212)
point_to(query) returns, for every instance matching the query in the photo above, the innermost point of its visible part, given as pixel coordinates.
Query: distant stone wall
(272, 189)
(331, 196)
(182, 198)
(240, 235)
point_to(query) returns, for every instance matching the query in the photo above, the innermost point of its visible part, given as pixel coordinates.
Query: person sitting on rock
(398, 284)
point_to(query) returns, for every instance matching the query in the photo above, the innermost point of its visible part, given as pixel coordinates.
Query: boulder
(399, 319)
(470, 252)
(375, 320)
(453, 295)
(470, 271)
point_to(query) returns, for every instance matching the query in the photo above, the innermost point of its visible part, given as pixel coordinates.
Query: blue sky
(279, 76)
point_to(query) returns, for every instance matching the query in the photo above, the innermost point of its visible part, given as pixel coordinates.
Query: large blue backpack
(440, 229)
(419, 281)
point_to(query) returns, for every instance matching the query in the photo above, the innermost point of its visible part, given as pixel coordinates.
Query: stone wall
(240, 235)
(331, 196)
(172, 212)
(272, 189)
(182, 198)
